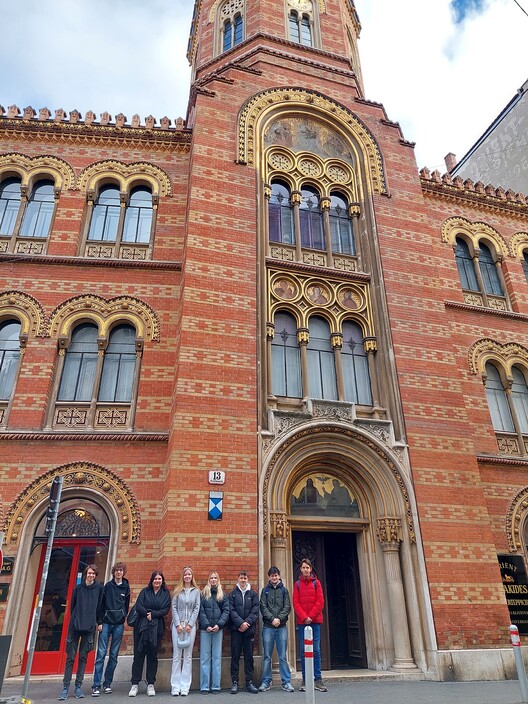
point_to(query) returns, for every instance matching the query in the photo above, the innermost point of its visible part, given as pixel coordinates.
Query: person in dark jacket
(243, 616)
(116, 602)
(85, 616)
(214, 615)
(275, 607)
(153, 603)
(308, 604)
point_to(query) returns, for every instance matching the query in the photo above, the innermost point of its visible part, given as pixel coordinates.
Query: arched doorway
(82, 537)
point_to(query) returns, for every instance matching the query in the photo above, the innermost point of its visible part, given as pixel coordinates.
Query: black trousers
(84, 642)
(241, 643)
(151, 654)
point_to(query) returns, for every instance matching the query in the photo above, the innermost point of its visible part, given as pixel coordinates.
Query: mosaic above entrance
(305, 134)
(321, 494)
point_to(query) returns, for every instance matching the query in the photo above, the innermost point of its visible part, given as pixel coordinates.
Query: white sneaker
(151, 692)
(133, 691)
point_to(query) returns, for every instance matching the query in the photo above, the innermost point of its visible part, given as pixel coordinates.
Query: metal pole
(521, 672)
(309, 665)
(38, 605)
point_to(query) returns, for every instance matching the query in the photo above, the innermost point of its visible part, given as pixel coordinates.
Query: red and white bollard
(521, 672)
(309, 665)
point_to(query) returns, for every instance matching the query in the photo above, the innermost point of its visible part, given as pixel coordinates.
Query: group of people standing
(211, 610)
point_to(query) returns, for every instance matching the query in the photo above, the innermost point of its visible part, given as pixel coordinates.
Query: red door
(68, 560)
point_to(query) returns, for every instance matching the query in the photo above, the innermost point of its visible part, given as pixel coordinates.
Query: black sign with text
(515, 583)
(7, 565)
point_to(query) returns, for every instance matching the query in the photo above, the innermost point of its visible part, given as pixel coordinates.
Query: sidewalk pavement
(378, 691)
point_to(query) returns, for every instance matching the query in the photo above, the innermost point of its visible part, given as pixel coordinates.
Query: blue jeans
(210, 660)
(316, 630)
(115, 632)
(270, 637)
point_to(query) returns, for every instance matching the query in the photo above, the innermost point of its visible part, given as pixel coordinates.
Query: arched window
(138, 216)
(280, 214)
(117, 381)
(311, 222)
(465, 266)
(341, 226)
(500, 412)
(10, 199)
(488, 269)
(322, 380)
(286, 358)
(105, 216)
(80, 365)
(356, 375)
(524, 262)
(39, 210)
(300, 26)
(232, 23)
(99, 378)
(9, 357)
(519, 395)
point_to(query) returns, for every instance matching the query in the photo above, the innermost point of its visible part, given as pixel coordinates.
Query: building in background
(260, 335)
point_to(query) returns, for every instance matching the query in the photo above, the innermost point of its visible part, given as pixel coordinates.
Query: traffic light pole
(51, 522)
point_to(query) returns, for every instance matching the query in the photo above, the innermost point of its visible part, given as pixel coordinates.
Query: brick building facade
(271, 291)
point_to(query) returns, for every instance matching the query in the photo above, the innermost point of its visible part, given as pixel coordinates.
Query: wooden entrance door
(334, 556)
(68, 560)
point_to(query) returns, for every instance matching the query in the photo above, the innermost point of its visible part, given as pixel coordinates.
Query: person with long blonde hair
(185, 610)
(214, 615)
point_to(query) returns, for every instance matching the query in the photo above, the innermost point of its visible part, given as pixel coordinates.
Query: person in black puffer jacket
(243, 617)
(85, 616)
(214, 615)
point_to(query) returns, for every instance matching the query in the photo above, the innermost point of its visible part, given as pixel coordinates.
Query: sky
(443, 69)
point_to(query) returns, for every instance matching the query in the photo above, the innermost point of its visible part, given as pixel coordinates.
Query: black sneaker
(319, 685)
(250, 687)
(302, 688)
(234, 688)
(96, 692)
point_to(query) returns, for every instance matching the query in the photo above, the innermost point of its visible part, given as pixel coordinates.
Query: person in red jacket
(308, 604)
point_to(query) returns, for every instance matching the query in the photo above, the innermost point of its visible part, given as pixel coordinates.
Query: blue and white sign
(215, 505)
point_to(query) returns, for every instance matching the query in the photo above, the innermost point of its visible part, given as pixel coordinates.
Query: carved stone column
(389, 534)
(280, 531)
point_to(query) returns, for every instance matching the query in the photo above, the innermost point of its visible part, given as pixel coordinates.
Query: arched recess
(518, 243)
(475, 231)
(126, 175)
(26, 309)
(387, 540)
(83, 476)
(516, 518)
(29, 167)
(276, 101)
(106, 313)
(506, 355)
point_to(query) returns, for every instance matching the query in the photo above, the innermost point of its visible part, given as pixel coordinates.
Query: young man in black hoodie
(85, 615)
(116, 603)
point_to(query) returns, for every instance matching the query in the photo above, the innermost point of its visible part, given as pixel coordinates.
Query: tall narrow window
(300, 26)
(306, 31)
(10, 198)
(239, 30)
(105, 216)
(117, 381)
(280, 215)
(488, 270)
(39, 210)
(286, 358)
(465, 266)
(341, 226)
(356, 375)
(520, 399)
(233, 31)
(138, 216)
(524, 262)
(322, 378)
(80, 365)
(295, 32)
(312, 233)
(501, 416)
(9, 356)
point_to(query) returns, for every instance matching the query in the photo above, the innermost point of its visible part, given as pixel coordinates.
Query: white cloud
(444, 84)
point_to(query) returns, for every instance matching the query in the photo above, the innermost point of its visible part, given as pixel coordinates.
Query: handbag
(132, 616)
(184, 640)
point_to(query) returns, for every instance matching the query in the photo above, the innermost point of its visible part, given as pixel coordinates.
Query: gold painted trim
(518, 244)
(24, 308)
(275, 101)
(28, 168)
(506, 356)
(516, 517)
(81, 475)
(126, 175)
(105, 313)
(475, 231)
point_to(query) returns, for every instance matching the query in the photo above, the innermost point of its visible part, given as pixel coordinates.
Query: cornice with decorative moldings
(490, 311)
(41, 436)
(319, 270)
(87, 261)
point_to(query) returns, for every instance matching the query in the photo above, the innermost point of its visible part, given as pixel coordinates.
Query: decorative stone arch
(105, 313)
(506, 356)
(26, 309)
(82, 475)
(474, 231)
(273, 102)
(518, 244)
(125, 175)
(516, 518)
(386, 531)
(30, 167)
